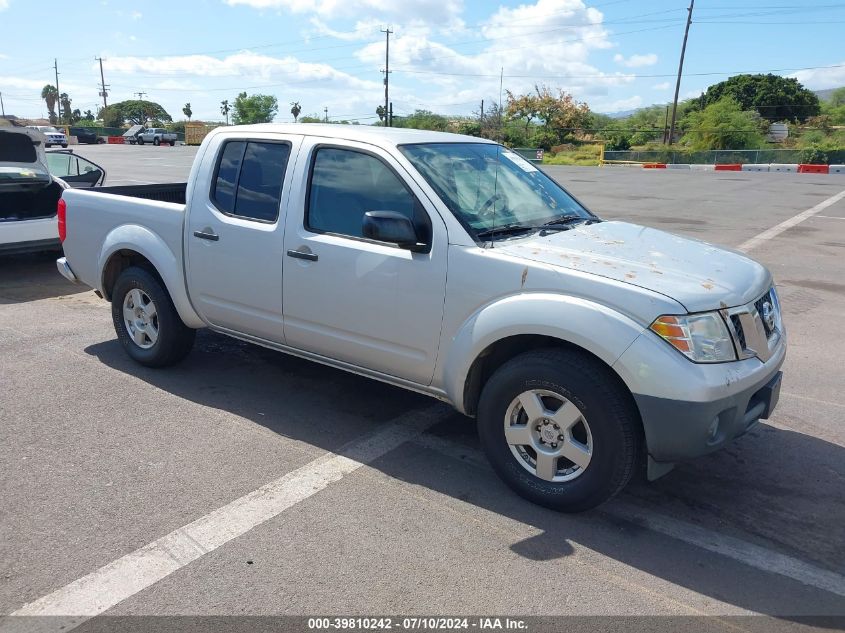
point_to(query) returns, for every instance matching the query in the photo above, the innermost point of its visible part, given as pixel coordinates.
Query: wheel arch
(502, 330)
(133, 245)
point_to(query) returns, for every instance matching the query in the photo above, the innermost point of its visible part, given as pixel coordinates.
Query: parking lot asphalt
(99, 457)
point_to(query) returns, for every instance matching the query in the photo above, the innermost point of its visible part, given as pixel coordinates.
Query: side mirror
(394, 228)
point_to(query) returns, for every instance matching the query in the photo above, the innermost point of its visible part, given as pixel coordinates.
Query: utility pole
(58, 92)
(666, 125)
(326, 110)
(680, 72)
(2, 107)
(143, 115)
(103, 87)
(481, 118)
(386, 71)
(390, 117)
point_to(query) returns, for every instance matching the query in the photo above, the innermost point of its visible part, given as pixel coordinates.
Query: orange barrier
(115, 140)
(654, 165)
(729, 167)
(813, 169)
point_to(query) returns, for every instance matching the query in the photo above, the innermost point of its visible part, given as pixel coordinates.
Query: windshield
(488, 186)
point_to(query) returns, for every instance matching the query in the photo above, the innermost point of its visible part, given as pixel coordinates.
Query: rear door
(234, 233)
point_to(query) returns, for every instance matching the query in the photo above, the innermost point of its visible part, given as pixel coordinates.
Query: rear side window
(249, 179)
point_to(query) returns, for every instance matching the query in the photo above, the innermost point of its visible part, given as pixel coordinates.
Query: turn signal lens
(703, 338)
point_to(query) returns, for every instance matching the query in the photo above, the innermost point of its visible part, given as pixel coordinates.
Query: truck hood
(697, 274)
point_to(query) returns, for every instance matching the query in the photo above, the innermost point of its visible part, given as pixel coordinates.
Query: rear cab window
(248, 179)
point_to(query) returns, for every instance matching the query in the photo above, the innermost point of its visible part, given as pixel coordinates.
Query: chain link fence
(721, 157)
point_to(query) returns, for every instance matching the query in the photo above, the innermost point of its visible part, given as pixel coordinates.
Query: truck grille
(757, 327)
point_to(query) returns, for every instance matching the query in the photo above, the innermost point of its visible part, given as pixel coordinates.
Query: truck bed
(163, 192)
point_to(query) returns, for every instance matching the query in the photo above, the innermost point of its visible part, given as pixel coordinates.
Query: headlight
(703, 338)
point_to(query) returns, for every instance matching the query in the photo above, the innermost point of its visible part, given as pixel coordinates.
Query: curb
(771, 168)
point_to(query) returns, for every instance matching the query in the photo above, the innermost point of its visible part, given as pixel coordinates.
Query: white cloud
(427, 10)
(662, 86)
(619, 105)
(136, 15)
(822, 78)
(636, 61)
(4, 4)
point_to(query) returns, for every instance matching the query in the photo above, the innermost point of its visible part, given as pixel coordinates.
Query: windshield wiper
(564, 223)
(507, 229)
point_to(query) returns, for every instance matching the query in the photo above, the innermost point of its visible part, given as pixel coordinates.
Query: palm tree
(295, 110)
(224, 109)
(187, 110)
(50, 96)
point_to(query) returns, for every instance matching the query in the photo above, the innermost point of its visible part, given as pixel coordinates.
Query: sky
(445, 55)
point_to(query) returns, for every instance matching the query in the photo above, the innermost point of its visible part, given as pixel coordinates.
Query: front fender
(133, 237)
(591, 326)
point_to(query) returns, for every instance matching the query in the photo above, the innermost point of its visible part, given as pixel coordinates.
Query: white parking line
(100, 590)
(789, 223)
(748, 553)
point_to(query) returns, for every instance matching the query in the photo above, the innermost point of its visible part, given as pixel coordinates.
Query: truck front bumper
(690, 409)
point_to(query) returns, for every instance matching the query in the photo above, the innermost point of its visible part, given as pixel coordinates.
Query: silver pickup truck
(450, 266)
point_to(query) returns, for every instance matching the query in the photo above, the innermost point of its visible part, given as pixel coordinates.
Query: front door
(349, 298)
(234, 235)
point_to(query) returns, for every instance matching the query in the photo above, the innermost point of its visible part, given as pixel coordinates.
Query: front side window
(249, 179)
(487, 186)
(345, 184)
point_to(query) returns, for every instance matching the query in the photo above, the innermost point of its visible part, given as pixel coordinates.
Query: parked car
(156, 136)
(54, 136)
(450, 266)
(86, 135)
(31, 183)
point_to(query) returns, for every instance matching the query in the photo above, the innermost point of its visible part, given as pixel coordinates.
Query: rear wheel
(559, 429)
(172, 143)
(146, 322)
(156, 141)
(64, 144)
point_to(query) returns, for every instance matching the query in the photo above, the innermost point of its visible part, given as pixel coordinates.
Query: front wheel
(140, 141)
(559, 428)
(64, 144)
(156, 141)
(146, 322)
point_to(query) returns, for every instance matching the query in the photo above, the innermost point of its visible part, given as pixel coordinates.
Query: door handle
(311, 257)
(207, 236)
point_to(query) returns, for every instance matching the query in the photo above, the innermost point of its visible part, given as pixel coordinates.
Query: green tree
(422, 120)
(64, 102)
(557, 113)
(295, 109)
(313, 118)
(88, 115)
(225, 109)
(134, 112)
(380, 111)
(723, 125)
(187, 110)
(256, 108)
(51, 97)
(837, 98)
(776, 98)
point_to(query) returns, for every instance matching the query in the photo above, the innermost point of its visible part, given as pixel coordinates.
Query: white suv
(54, 136)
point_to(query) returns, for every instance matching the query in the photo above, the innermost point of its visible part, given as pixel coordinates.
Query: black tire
(140, 141)
(174, 340)
(48, 145)
(156, 141)
(605, 405)
(64, 144)
(172, 143)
